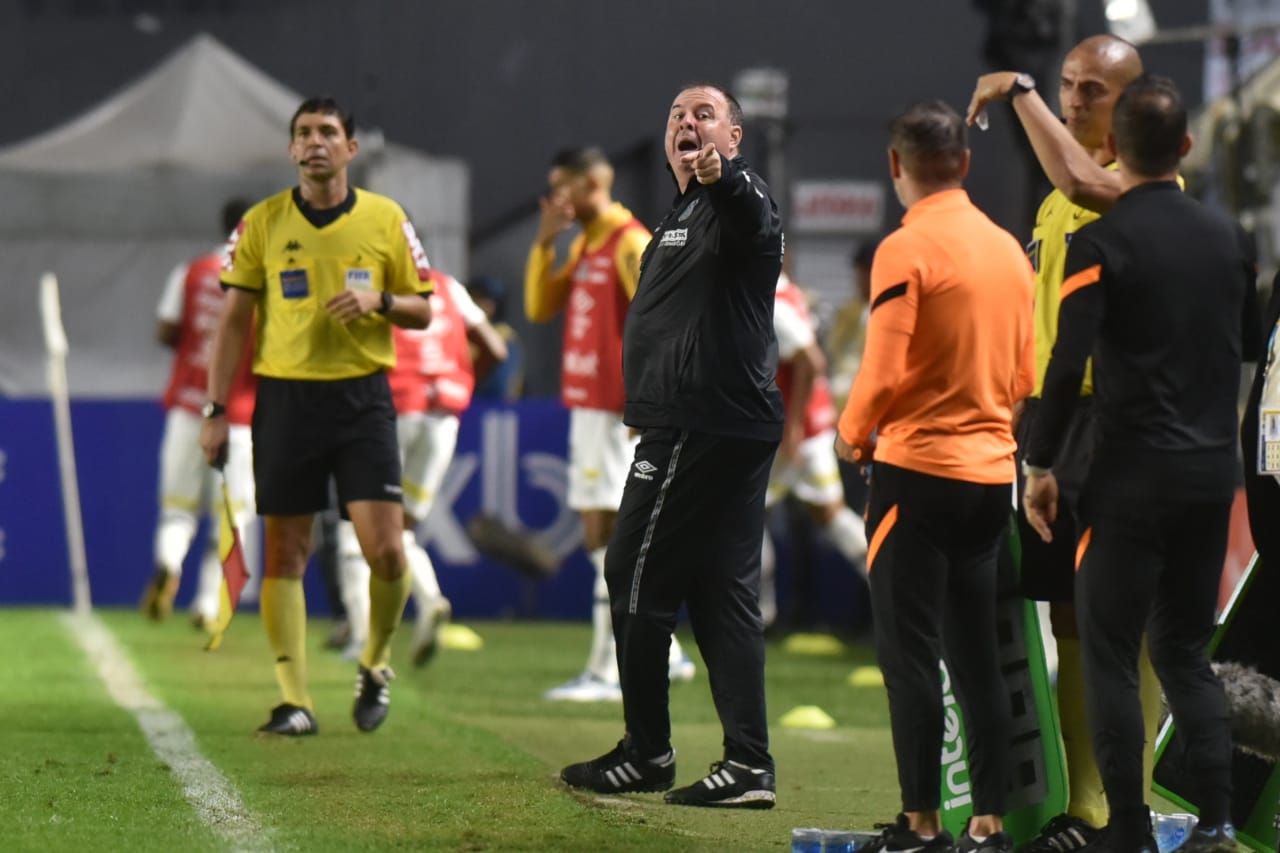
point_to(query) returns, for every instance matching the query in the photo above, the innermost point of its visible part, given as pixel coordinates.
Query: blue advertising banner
(510, 464)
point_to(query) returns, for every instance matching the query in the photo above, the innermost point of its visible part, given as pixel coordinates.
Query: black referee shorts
(308, 431)
(1049, 568)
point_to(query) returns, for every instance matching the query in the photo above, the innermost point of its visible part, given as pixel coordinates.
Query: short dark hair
(1149, 124)
(580, 160)
(327, 106)
(735, 109)
(930, 139)
(232, 213)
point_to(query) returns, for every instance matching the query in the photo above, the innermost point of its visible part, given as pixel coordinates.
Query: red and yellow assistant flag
(234, 571)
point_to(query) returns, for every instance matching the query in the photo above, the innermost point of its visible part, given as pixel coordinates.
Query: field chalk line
(216, 801)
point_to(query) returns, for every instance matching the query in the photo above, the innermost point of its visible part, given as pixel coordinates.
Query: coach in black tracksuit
(1160, 291)
(699, 361)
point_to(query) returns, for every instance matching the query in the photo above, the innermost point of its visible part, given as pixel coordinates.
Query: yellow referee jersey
(1057, 221)
(295, 268)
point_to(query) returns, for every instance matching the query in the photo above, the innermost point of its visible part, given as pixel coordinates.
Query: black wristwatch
(213, 410)
(1022, 84)
(387, 301)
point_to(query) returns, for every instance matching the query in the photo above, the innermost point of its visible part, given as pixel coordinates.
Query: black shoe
(618, 772)
(1211, 839)
(900, 836)
(730, 784)
(1105, 842)
(1062, 834)
(373, 697)
(996, 842)
(290, 720)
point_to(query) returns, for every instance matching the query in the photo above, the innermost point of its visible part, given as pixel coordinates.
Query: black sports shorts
(308, 431)
(1049, 568)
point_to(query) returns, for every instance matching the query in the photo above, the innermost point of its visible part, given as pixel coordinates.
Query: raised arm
(1066, 162)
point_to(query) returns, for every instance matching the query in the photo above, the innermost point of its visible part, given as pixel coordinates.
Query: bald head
(1119, 57)
(1094, 73)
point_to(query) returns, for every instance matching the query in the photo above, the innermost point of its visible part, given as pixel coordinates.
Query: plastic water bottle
(1172, 829)
(806, 840)
(811, 840)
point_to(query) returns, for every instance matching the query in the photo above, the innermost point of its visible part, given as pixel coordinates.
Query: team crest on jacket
(684, 214)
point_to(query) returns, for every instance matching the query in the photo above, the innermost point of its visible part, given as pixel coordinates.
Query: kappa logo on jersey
(644, 469)
(229, 250)
(684, 214)
(675, 237)
(293, 246)
(415, 249)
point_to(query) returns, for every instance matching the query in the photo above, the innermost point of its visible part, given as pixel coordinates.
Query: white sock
(849, 534)
(426, 588)
(603, 660)
(675, 654)
(768, 581)
(173, 539)
(353, 578)
(209, 589)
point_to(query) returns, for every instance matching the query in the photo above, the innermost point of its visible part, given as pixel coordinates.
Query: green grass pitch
(467, 760)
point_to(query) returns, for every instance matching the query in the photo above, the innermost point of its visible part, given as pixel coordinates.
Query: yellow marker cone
(866, 676)
(460, 638)
(813, 644)
(808, 717)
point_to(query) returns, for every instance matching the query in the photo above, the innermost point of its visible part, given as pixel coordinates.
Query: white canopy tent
(113, 199)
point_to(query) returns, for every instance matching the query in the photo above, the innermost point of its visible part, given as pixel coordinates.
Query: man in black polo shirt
(699, 360)
(1159, 291)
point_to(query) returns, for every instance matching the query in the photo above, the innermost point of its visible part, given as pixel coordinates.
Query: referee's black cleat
(618, 772)
(730, 784)
(373, 697)
(290, 720)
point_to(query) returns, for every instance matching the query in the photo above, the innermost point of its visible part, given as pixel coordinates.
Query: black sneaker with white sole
(373, 697)
(730, 784)
(899, 836)
(291, 720)
(1062, 834)
(619, 772)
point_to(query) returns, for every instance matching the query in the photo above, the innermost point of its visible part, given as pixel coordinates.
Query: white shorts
(188, 484)
(813, 476)
(427, 442)
(601, 449)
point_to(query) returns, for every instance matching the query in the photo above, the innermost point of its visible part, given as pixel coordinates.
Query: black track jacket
(698, 349)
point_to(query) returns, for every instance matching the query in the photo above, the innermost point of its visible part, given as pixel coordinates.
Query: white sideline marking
(215, 800)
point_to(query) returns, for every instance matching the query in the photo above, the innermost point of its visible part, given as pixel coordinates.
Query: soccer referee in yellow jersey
(1074, 154)
(327, 269)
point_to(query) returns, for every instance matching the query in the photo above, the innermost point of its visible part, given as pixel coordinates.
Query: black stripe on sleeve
(889, 293)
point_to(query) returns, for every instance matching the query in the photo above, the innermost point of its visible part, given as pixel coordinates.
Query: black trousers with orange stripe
(932, 567)
(689, 532)
(1152, 566)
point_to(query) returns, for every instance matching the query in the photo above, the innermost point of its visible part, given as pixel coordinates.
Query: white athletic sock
(768, 581)
(353, 578)
(849, 534)
(425, 586)
(603, 660)
(173, 539)
(209, 589)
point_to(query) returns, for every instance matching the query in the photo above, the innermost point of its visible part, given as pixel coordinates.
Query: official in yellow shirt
(327, 269)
